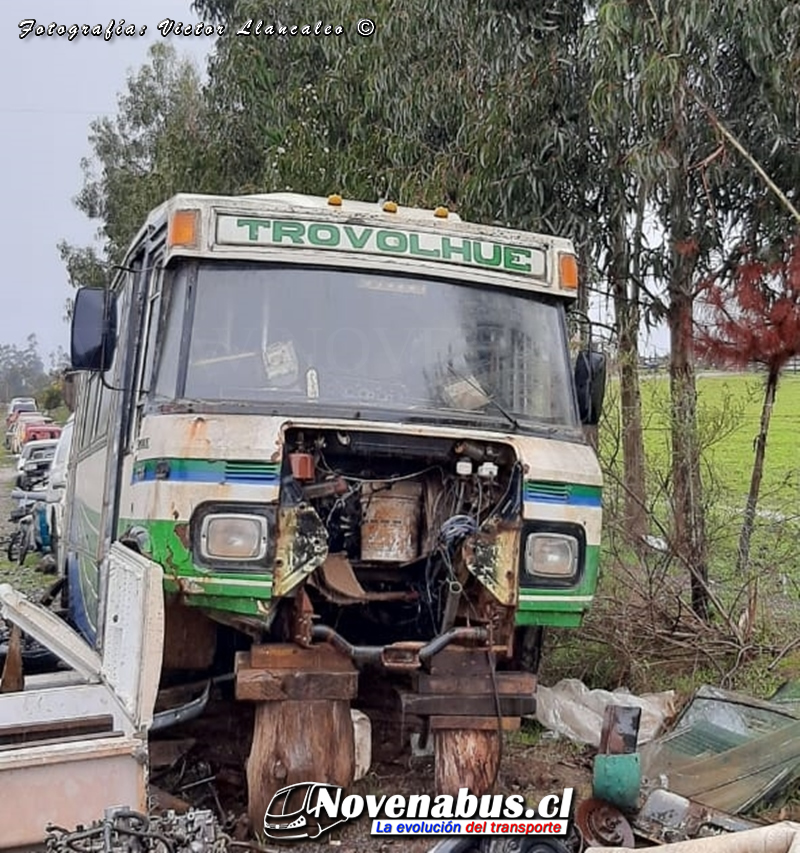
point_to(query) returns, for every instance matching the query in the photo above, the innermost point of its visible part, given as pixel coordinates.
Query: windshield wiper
(489, 399)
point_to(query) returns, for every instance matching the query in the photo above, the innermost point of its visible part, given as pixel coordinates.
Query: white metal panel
(72, 702)
(52, 632)
(133, 635)
(67, 784)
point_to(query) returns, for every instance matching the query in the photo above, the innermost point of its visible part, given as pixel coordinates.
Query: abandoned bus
(351, 435)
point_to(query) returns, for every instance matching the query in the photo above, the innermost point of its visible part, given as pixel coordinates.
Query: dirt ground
(211, 775)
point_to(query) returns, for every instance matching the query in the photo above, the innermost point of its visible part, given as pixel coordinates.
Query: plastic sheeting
(571, 709)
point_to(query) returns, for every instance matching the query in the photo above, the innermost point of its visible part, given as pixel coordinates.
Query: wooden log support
(466, 754)
(303, 731)
(467, 746)
(298, 741)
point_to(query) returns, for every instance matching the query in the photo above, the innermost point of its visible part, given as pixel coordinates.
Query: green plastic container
(617, 779)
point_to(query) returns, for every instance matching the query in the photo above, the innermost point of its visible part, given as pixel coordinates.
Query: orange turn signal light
(184, 229)
(568, 272)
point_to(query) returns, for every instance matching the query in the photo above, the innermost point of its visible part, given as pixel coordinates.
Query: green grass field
(729, 412)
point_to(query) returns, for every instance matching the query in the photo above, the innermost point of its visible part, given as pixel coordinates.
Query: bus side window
(147, 337)
(88, 411)
(153, 317)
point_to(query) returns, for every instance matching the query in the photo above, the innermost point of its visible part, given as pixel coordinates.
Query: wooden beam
(259, 685)
(506, 683)
(323, 657)
(481, 705)
(487, 724)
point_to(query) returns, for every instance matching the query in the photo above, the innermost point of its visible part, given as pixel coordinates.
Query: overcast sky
(50, 90)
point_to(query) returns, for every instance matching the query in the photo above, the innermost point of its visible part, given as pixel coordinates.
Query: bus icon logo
(294, 811)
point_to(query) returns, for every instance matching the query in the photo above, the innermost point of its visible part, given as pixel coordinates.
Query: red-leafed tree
(754, 318)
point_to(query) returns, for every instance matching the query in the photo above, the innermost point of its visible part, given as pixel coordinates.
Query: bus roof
(291, 227)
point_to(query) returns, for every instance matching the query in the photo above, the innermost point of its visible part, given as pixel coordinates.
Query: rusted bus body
(332, 423)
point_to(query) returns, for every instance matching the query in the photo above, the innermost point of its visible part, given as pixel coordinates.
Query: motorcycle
(32, 534)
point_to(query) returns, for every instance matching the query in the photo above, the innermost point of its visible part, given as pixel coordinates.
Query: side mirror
(590, 385)
(94, 329)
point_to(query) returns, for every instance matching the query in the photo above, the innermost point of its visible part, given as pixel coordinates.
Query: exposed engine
(398, 511)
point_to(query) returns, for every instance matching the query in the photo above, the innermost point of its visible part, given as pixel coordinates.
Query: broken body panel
(74, 741)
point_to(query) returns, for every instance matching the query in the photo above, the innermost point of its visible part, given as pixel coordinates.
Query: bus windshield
(364, 341)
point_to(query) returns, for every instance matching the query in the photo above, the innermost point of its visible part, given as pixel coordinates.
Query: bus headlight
(232, 536)
(551, 556)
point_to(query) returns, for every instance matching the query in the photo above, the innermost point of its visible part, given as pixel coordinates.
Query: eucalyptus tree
(155, 145)
(675, 83)
(470, 105)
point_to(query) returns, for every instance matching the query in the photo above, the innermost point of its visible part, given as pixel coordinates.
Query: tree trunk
(688, 512)
(298, 741)
(627, 314)
(625, 290)
(687, 503)
(748, 523)
(466, 758)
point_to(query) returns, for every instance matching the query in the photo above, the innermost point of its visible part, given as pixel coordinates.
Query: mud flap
(73, 743)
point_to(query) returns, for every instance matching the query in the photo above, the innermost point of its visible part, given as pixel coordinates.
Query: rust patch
(277, 456)
(491, 557)
(302, 619)
(197, 434)
(189, 586)
(182, 532)
(197, 428)
(390, 531)
(301, 548)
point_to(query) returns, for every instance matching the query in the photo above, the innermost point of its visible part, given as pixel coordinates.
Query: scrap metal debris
(667, 817)
(616, 774)
(776, 838)
(124, 831)
(727, 751)
(601, 824)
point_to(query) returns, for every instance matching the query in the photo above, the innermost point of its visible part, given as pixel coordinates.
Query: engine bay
(398, 511)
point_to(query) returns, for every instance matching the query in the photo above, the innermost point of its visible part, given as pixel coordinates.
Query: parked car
(18, 432)
(20, 404)
(57, 489)
(40, 432)
(16, 407)
(34, 463)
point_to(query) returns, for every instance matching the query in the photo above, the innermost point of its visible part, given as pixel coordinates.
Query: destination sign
(395, 242)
